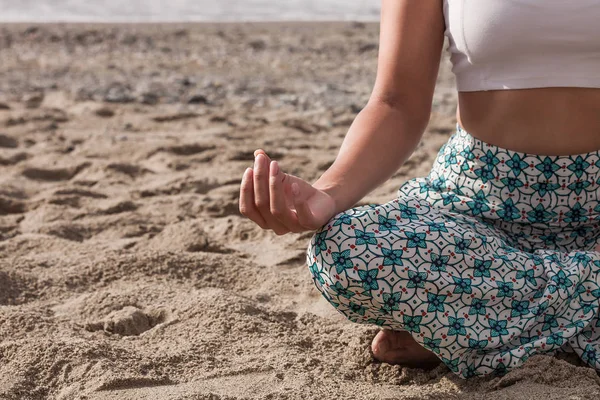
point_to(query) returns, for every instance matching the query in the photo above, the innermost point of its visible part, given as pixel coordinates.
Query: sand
(126, 270)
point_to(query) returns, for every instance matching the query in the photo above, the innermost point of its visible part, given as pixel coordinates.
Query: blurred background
(186, 10)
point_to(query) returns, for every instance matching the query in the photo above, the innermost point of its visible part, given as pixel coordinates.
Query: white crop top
(515, 44)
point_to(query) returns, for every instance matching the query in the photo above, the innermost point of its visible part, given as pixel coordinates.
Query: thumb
(305, 215)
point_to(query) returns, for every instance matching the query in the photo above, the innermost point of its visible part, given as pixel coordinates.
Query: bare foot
(399, 347)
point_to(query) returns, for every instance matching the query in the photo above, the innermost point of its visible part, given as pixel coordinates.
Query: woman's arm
(387, 131)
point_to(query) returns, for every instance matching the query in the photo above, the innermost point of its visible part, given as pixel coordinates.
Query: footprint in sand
(129, 321)
(54, 174)
(8, 142)
(129, 169)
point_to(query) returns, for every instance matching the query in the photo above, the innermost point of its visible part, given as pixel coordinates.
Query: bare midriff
(545, 121)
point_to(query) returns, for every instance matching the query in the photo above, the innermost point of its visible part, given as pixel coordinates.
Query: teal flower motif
(376, 321)
(549, 322)
(461, 245)
(576, 214)
(547, 167)
(439, 263)
(485, 173)
(505, 289)
(580, 289)
(424, 186)
(587, 307)
(478, 206)
(551, 258)
(539, 214)
(416, 279)
(579, 186)
(342, 261)
(314, 270)
(508, 211)
(519, 308)
(456, 326)
(467, 153)
(363, 237)
(436, 226)
(387, 224)
(462, 285)
(528, 275)
(523, 340)
(452, 364)
(450, 198)
(450, 158)
(478, 307)
(432, 344)
(590, 355)
(416, 240)
(342, 291)
(516, 164)
(544, 187)
(561, 280)
(482, 268)
(541, 308)
(556, 338)
(436, 302)
(581, 258)
(391, 302)
(470, 372)
(369, 279)
(512, 183)
(392, 256)
(498, 327)
(551, 239)
(500, 369)
(407, 212)
(478, 344)
(344, 219)
(581, 231)
(411, 324)
(490, 158)
(579, 166)
(439, 184)
(358, 309)
(320, 243)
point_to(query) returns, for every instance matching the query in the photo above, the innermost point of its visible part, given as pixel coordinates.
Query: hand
(282, 202)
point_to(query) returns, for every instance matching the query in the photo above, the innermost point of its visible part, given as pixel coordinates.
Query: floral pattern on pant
(486, 261)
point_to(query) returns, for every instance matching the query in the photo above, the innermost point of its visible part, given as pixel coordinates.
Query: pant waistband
(491, 182)
(465, 154)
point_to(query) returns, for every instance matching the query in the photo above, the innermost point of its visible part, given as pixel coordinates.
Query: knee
(329, 255)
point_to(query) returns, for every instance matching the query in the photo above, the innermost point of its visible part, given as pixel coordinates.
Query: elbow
(415, 110)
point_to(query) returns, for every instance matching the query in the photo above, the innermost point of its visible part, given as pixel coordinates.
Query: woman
(491, 257)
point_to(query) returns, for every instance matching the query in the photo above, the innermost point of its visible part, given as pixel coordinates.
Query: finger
(261, 151)
(247, 206)
(261, 194)
(305, 215)
(279, 207)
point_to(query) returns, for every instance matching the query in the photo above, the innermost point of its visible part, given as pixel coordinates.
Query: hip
(542, 195)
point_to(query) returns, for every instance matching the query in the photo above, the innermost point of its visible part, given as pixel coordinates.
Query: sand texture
(126, 270)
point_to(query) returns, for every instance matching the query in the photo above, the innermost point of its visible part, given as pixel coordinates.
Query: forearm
(379, 141)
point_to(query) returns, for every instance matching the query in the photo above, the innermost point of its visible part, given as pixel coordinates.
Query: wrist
(334, 191)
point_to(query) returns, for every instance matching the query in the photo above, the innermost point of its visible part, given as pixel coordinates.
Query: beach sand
(126, 270)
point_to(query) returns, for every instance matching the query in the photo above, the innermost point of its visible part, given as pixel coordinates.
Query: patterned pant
(487, 260)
